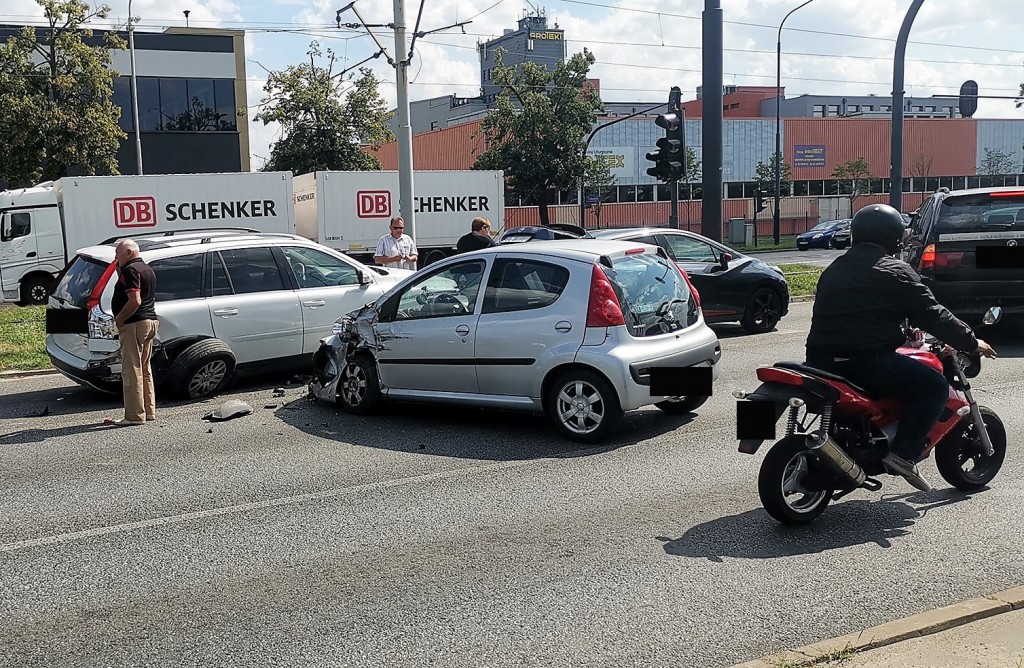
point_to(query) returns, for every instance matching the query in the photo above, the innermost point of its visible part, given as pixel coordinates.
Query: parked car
(732, 286)
(820, 236)
(516, 235)
(571, 329)
(966, 245)
(229, 303)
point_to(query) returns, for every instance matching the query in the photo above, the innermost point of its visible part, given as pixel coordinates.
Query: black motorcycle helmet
(878, 224)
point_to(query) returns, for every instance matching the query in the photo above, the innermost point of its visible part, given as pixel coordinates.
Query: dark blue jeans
(922, 390)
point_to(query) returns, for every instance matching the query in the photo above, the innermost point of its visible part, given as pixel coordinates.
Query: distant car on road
(820, 236)
(732, 286)
(574, 329)
(966, 245)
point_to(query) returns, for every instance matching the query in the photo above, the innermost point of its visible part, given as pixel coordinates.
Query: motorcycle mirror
(993, 315)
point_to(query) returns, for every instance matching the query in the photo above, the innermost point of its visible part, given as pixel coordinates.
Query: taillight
(97, 290)
(693, 290)
(1011, 193)
(932, 259)
(767, 374)
(604, 309)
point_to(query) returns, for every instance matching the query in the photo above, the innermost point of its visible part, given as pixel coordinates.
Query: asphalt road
(299, 536)
(819, 256)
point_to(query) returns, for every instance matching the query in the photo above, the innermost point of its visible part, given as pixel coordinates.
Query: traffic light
(668, 159)
(760, 203)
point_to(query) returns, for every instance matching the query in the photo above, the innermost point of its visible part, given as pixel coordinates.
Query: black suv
(968, 246)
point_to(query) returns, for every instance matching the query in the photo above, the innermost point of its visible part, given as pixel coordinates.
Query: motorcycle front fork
(979, 422)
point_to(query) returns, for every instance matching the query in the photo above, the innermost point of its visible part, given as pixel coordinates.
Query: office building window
(833, 110)
(819, 111)
(178, 104)
(123, 98)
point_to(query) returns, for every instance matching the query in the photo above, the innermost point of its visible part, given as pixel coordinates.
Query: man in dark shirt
(479, 237)
(862, 300)
(134, 306)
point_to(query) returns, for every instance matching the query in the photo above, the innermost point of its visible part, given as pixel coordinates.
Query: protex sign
(142, 211)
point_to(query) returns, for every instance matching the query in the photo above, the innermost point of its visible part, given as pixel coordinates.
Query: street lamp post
(135, 91)
(778, 123)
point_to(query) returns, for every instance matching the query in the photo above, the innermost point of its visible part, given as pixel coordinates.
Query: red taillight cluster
(932, 259)
(97, 290)
(604, 309)
(693, 290)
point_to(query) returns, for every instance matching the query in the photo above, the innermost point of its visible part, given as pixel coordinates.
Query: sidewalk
(986, 632)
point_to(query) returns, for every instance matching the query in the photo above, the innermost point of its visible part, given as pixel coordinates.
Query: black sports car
(732, 286)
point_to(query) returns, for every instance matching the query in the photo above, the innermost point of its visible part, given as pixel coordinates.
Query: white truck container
(349, 211)
(42, 227)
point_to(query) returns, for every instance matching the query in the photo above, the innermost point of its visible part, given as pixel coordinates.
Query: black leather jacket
(862, 300)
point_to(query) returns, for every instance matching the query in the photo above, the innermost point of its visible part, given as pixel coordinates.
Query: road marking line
(283, 501)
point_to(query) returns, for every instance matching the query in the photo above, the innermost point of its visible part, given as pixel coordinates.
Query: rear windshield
(652, 292)
(985, 212)
(82, 276)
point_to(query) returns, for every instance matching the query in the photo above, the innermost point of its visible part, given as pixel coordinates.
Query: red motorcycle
(837, 433)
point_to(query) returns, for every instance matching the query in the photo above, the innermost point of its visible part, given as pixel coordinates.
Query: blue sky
(642, 48)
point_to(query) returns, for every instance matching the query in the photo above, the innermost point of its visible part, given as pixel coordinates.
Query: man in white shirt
(397, 249)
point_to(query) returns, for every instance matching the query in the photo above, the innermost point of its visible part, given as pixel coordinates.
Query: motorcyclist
(862, 301)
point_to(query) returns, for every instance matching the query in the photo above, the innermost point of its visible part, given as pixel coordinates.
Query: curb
(9, 375)
(807, 298)
(889, 633)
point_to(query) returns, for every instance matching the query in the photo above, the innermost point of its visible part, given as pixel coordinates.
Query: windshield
(654, 296)
(78, 283)
(985, 212)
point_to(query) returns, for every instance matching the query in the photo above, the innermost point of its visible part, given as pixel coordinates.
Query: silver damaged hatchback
(571, 329)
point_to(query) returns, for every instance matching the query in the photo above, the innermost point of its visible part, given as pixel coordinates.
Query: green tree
(599, 181)
(691, 174)
(57, 111)
(996, 162)
(764, 177)
(854, 179)
(537, 132)
(326, 120)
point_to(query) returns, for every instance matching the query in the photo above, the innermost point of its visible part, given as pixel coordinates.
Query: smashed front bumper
(328, 361)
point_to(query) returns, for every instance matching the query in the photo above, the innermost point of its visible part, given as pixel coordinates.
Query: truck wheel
(434, 256)
(202, 369)
(35, 290)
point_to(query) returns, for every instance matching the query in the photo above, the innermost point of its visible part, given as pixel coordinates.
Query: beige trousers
(136, 372)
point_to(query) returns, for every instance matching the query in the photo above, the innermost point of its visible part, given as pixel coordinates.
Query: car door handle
(315, 303)
(32, 254)
(462, 330)
(226, 312)
(563, 326)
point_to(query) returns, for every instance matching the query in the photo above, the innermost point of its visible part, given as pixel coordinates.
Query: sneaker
(121, 422)
(898, 466)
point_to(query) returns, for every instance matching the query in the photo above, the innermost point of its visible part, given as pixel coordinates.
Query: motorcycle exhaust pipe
(836, 457)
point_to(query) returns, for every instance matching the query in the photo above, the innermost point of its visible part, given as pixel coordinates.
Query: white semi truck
(349, 211)
(41, 227)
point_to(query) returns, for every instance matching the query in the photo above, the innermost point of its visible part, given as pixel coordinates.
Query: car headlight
(818, 235)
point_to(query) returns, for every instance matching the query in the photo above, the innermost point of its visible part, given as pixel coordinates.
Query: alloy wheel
(580, 406)
(353, 384)
(793, 485)
(207, 378)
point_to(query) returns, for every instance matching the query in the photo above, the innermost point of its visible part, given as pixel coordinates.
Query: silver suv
(229, 303)
(576, 329)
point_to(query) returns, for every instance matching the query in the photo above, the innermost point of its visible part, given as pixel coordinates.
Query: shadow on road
(755, 535)
(1007, 338)
(469, 433)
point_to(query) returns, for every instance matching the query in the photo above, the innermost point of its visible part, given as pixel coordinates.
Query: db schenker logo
(373, 204)
(134, 212)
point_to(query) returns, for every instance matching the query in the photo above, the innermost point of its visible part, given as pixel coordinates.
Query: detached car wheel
(359, 386)
(202, 369)
(584, 406)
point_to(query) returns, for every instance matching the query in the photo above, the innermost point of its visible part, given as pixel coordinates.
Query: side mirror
(724, 260)
(992, 316)
(364, 278)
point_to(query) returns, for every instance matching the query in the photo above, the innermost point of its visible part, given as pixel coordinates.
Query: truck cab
(31, 243)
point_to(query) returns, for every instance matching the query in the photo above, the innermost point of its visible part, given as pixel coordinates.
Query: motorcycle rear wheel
(961, 448)
(779, 483)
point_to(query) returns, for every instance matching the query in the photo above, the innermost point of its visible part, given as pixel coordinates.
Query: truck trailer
(349, 211)
(42, 227)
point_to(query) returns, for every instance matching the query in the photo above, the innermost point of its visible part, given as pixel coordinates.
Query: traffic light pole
(896, 150)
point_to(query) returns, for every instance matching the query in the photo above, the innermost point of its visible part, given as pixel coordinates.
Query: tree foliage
(57, 112)
(854, 178)
(996, 162)
(325, 119)
(688, 192)
(764, 176)
(538, 130)
(599, 181)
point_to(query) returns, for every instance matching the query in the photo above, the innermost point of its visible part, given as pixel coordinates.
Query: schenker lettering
(443, 204)
(216, 210)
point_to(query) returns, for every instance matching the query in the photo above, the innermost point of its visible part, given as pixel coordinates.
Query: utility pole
(404, 138)
(135, 92)
(896, 157)
(711, 200)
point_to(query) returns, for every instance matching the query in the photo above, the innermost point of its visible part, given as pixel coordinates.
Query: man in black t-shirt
(134, 307)
(479, 237)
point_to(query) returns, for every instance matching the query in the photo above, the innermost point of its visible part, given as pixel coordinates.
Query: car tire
(763, 312)
(35, 291)
(201, 370)
(682, 405)
(580, 391)
(359, 386)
